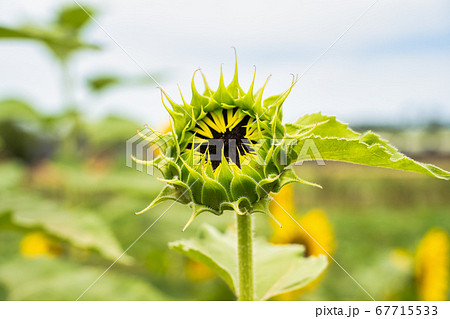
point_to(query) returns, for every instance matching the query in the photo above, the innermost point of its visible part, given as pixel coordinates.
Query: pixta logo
(141, 151)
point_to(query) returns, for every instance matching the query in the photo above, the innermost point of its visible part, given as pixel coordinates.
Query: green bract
(228, 149)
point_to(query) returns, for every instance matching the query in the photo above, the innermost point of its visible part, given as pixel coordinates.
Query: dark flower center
(231, 143)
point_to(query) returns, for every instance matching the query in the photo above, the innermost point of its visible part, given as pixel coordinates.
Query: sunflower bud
(227, 149)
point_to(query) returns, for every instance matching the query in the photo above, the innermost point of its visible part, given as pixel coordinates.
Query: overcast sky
(392, 66)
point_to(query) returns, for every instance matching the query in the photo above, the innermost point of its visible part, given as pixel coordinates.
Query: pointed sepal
(168, 193)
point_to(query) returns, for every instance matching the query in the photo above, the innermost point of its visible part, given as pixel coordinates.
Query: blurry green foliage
(53, 279)
(25, 133)
(73, 18)
(103, 82)
(110, 132)
(81, 229)
(12, 109)
(62, 36)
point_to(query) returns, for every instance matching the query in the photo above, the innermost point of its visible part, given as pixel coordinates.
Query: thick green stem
(245, 257)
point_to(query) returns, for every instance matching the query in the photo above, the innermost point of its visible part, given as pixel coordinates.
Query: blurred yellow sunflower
(315, 222)
(432, 266)
(37, 244)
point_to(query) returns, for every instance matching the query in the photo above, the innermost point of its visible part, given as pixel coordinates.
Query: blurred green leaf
(103, 82)
(52, 38)
(53, 279)
(6, 32)
(74, 18)
(61, 42)
(79, 228)
(278, 268)
(17, 110)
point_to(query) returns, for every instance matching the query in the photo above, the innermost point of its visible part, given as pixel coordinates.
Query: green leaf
(214, 250)
(278, 268)
(85, 230)
(18, 33)
(283, 268)
(53, 279)
(103, 82)
(369, 150)
(321, 125)
(62, 38)
(50, 37)
(74, 18)
(334, 141)
(59, 42)
(17, 110)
